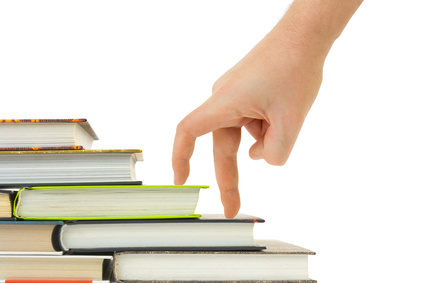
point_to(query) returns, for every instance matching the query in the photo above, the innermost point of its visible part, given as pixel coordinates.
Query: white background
(352, 189)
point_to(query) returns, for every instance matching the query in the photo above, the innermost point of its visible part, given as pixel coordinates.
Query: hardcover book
(209, 232)
(106, 202)
(6, 198)
(280, 262)
(30, 236)
(46, 133)
(77, 147)
(29, 267)
(68, 166)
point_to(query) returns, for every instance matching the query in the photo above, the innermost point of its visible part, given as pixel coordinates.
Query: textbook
(106, 202)
(46, 133)
(35, 167)
(209, 232)
(63, 267)
(279, 262)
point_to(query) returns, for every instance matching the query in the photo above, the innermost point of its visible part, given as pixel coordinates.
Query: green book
(106, 202)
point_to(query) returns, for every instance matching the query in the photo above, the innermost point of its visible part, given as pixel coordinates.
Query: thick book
(46, 133)
(64, 267)
(209, 232)
(68, 166)
(30, 236)
(106, 202)
(279, 262)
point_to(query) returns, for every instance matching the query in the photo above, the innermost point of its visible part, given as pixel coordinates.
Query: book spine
(16, 202)
(57, 238)
(108, 268)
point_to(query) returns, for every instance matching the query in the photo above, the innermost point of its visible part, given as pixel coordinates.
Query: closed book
(279, 262)
(209, 232)
(6, 199)
(35, 237)
(68, 166)
(45, 148)
(46, 133)
(106, 202)
(52, 281)
(64, 267)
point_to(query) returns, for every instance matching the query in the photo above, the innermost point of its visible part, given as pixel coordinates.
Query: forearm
(310, 27)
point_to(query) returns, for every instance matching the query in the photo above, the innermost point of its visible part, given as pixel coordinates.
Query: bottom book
(280, 262)
(25, 267)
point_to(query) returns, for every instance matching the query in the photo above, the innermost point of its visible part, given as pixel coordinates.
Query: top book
(15, 133)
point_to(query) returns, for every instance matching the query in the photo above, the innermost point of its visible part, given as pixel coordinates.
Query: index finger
(208, 117)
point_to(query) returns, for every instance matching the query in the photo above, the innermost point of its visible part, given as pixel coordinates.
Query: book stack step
(70, 213)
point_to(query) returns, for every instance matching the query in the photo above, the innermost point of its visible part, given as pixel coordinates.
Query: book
(106, 202)
(279, 262)
(77, 147)
(52, 281)
(63, 267)
(6, 198)
(20, 168)
(30, 237)
(46, 133)
(208, 232)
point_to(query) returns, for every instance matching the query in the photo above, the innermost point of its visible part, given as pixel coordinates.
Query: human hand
(270, 97)
(269, 92)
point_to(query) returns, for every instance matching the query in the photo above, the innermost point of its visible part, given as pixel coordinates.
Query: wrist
(309, 28)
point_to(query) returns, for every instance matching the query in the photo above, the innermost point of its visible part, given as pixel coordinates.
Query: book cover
(19, 186)
(42, 148)
(81, 121)
(138, 153)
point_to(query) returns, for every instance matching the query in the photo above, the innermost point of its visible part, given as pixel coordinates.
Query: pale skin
(269, 92)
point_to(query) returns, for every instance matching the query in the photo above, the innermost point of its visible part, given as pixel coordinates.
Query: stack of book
(68, 212)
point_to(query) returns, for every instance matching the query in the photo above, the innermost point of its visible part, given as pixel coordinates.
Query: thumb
(276, 143)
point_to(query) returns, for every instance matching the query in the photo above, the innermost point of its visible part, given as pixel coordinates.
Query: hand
(270, 97)
(269, 92)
